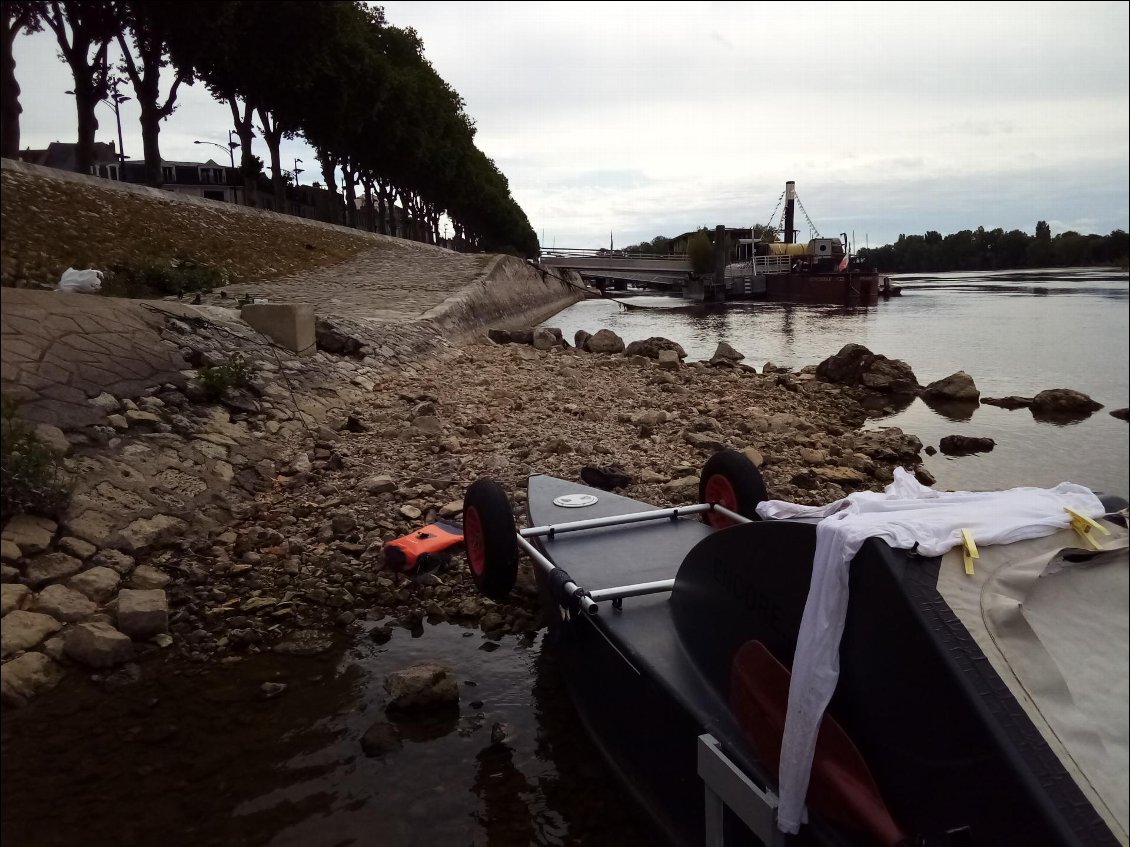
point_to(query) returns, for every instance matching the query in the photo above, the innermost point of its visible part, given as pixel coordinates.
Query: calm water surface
(202, 759)
(1013, 332)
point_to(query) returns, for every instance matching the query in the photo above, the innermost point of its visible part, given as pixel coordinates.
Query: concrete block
(290, 325)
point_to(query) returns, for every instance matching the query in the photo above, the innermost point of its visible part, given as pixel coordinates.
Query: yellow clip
(968, 550)
(1083, 526)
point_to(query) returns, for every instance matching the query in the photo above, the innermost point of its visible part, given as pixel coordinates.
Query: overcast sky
(639, 120)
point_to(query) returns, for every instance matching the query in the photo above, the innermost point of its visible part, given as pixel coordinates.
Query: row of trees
(358, 89)
(986, 250)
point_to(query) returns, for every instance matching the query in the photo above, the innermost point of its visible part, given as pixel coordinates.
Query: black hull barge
(675, 630)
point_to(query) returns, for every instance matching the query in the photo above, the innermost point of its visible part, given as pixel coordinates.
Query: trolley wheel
(730, 479)
(491, 538)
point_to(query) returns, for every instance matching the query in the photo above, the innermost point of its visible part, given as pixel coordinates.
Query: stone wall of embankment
(156, 466)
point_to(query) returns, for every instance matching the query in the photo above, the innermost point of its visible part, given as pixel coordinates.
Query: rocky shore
(295, 483)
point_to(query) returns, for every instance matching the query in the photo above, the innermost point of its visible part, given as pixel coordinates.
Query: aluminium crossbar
(589, 600)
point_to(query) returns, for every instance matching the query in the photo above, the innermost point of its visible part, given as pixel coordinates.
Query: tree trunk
(9, 95)
(328, 161)
(85, 103)
(150, 133)
(370, 211)
(272, 134)
(382, 207)
(243, 130)
(348, 184)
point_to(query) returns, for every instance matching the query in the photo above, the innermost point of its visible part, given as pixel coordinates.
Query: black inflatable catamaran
(676, 630)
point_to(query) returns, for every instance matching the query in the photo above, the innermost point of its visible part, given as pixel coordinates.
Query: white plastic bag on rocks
(81, 282)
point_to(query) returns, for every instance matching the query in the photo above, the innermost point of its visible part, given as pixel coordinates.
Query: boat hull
(800, 287)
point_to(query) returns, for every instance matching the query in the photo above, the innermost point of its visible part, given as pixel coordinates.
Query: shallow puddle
(206, 758)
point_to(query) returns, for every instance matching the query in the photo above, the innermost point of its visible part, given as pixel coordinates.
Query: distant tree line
(358, 89)
(987, 250)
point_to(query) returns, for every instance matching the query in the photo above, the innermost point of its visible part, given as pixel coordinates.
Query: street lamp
(115, 102)
(297, 170)
(231, 151)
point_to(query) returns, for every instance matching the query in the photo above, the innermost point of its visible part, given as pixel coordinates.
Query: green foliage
(700, 251)
(218, 380)
(30, 476)
(985, 250)
(182, 277)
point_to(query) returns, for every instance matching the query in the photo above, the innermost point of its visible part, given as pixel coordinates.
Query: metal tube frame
(588, 600)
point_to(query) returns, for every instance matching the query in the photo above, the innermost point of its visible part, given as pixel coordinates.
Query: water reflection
(952, 410)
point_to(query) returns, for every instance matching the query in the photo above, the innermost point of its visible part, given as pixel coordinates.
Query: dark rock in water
(1063, 401)
(271, 690)
(961, 445)
(499, 336)
(856, 365)
(1012, 401)
(650, 347)
(924, 476)
(304, 642)
(1121, 414)
(422, 686)
(607, 478)
(379, 739)
(957, 387)
(381, 634)
(930, 450)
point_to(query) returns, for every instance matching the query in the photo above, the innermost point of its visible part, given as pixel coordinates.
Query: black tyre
(730, 479)
(491, 538)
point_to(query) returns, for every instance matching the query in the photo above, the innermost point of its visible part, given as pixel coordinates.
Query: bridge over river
(672, 273)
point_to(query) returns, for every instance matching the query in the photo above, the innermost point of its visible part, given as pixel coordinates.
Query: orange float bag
(422, 549)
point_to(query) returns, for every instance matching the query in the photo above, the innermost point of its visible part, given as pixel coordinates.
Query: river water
(1014, 332)
(188, 756)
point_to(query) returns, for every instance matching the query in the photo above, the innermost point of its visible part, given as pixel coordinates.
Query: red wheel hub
(720, 490)
(473, 538)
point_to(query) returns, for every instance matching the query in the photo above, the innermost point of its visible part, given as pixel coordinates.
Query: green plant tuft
(220, 379)
(31, 479)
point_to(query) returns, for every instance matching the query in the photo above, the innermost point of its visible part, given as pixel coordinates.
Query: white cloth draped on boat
(906, 513)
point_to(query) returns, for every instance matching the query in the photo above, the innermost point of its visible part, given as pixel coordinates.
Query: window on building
(168, 173)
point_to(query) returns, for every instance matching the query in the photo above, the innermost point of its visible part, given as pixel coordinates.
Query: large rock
(378, 484)
(580, 337)
(31, 533)
(1010, 402)
(142, 613)
(1058, 401)
(98, 584)
(669, 360)
(50, 567)
(95, 527)
(725, 353)
(961, 445)
(98, 645)
(64, 604)
(20, 630)
(1121, 414)
(10, 551)
(854, 364)
(27, 675)
(956, 388)
(144, 533)
(146, 577)
(605, 341)
(115, 559)
(13, 596)
(546, 338)
(650, 347)
(424, 685)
